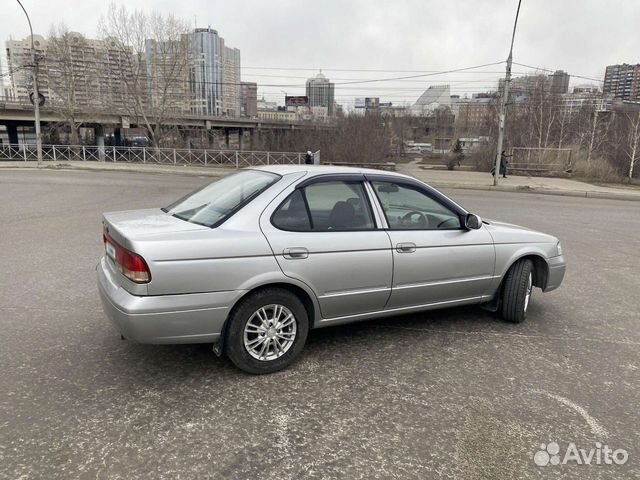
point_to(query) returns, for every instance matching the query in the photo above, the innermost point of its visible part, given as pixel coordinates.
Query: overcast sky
(579, 36)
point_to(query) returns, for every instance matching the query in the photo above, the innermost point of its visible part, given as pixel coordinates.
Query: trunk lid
(130, 229)
(133, 225)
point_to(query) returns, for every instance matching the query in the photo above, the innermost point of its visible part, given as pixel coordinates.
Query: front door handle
(406, 247)
(295, 253)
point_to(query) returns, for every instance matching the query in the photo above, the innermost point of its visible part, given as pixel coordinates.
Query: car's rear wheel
(516, 292)
(267, 331)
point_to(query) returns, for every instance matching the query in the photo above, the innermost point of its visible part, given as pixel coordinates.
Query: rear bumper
(189, 318)
(557, 268)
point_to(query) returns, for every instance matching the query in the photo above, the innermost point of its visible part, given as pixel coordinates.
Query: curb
(169, 169)
(217, 172)
(529, 190)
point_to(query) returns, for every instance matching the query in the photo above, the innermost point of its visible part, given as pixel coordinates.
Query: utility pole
(503, 101)
(36, 93)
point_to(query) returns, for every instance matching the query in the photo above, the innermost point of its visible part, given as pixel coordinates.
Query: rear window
(216, 202)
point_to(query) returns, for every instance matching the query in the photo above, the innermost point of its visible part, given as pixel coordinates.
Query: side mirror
(472, 221)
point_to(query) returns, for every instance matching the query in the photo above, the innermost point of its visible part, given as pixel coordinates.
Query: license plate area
(110, 250)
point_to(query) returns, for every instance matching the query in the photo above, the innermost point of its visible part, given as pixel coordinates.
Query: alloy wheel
(270, 332)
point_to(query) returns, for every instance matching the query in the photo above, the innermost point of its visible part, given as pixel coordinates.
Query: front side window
(214, 203)
(408, 208)
(327, 206)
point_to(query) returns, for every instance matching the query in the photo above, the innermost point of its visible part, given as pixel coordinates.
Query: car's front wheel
(267, 331)
(516, 292)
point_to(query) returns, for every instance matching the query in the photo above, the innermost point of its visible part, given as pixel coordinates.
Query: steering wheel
(422, 220)
(451, 221)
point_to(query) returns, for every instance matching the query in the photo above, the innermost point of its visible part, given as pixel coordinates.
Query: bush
(599, 168)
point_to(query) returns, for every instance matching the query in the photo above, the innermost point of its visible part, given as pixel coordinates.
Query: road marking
(596, 428)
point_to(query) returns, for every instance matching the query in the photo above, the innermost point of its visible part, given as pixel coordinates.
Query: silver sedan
(254, 260)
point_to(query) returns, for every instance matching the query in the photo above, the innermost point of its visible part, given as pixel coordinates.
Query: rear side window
(327, 206)
(292, 214)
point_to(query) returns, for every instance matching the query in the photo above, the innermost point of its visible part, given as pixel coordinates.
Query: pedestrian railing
(160, 156)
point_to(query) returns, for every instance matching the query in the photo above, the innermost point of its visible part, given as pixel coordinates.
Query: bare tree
(564, 121)
(355, 139)
(632, 144)
(153, 66)
(70, 86)
(594, 129)
(400, 133)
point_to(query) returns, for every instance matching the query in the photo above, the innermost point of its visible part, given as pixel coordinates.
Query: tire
(516, 293)
(247, 333)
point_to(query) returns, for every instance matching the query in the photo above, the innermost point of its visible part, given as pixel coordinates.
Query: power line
(443, 81)
(553, 71)
(355, 82)
(359, 70)
(422, 75)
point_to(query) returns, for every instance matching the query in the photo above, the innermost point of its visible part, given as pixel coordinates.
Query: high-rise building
(214, 74)
(320, 92)
(231, 82)
(248, 99)
(623, 81)
(72, 70)
(559, 81)
(20, 70)
(167, 71)
(83, 72)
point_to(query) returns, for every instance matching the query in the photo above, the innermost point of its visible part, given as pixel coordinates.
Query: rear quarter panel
(207, 261)
(233, 256)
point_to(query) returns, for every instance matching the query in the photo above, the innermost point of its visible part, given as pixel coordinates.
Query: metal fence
(540, 159)
(158, 156)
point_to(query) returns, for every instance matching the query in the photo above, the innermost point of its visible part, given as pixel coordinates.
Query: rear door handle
(406, 247)
(295, 253)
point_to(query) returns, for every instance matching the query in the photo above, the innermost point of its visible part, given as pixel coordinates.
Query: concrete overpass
(14, 115)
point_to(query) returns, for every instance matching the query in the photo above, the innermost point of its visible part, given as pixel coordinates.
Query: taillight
(130, 264)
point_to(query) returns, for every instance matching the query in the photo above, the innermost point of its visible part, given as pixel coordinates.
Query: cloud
(386, 35)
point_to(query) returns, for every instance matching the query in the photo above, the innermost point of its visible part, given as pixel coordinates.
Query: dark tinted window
(338, 206)
(332, 206)
(408, 208)
(292, 214)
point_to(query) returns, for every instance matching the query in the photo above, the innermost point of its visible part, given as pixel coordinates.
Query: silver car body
(198, 274)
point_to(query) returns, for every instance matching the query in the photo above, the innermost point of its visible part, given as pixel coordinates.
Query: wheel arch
(540, 269)
(302, 292)
(540, 276)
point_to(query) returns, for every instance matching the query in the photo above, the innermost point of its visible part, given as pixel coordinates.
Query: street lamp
(36, 93)
(503, 101)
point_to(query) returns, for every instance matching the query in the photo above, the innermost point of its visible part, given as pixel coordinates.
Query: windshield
(214, 203)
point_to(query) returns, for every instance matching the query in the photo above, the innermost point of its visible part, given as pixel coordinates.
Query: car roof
(324, 169)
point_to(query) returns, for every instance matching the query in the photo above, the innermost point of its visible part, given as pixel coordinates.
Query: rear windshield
(214, 203)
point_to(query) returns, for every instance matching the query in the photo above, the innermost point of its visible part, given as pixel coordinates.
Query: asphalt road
(454, 394)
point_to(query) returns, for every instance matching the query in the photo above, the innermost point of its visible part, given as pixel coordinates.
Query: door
(325, 235)
(436, 260)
